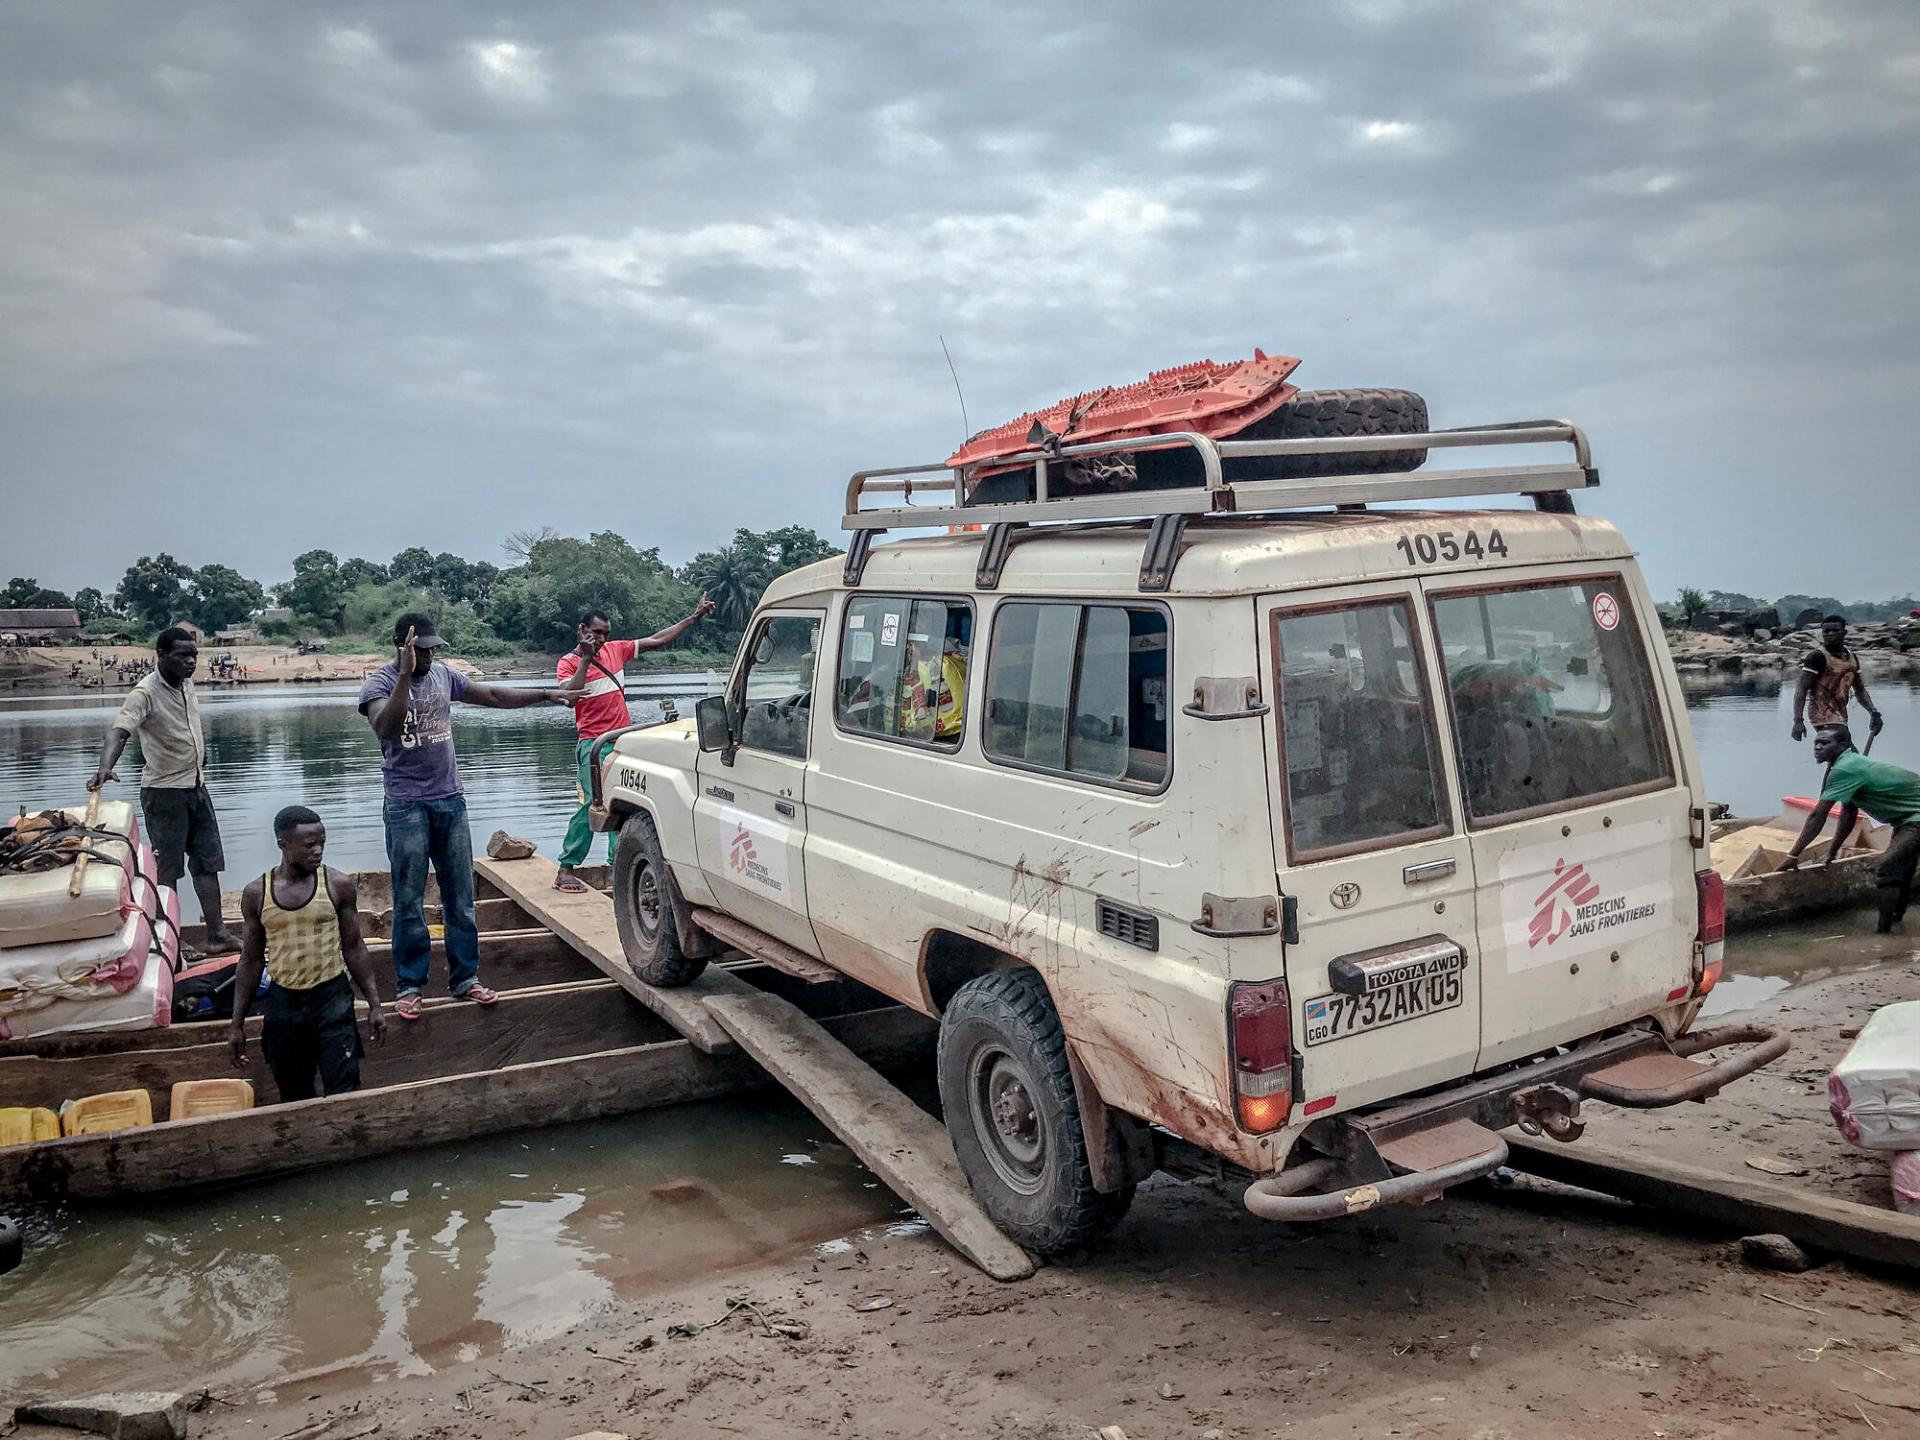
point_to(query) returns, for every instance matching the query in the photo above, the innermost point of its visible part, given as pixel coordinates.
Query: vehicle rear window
(903, 668)
(1553, 699)
(1362, 761)
(1080, 689)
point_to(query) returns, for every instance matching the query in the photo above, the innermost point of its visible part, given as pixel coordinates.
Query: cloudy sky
(278, 275)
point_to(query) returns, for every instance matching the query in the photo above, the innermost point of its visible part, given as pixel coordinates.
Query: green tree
(316, 591)
(356, 571)
(733, 578)
(1692, 604)
(89, 602)
(540, 603)
(736, 576)
(154, 589)
(25, 594)
(223, 597)
(412, 566)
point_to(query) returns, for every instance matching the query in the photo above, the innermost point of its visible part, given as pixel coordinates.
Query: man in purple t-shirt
(410, 706)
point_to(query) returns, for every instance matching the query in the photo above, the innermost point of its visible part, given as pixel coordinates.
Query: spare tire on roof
(1316, 414)
(1322, 414)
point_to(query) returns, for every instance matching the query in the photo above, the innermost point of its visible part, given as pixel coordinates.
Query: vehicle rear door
(1384, 975)
(1570, 786)
(750, 820)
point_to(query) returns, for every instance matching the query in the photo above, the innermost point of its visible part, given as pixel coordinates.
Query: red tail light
(1712, 934)
(1262, 1028)
(1713, 907)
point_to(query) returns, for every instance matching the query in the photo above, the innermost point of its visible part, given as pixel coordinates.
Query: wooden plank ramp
(586, 923)
(896, 1139)
(1751, 1205)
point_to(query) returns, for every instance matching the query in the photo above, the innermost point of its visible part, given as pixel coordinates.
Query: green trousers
(579, 842)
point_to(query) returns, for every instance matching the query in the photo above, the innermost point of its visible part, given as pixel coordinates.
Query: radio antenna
(966, 425)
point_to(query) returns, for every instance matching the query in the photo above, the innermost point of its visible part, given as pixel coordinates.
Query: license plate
(1335, 1017)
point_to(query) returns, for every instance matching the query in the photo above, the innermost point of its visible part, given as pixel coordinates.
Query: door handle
(1428, 870)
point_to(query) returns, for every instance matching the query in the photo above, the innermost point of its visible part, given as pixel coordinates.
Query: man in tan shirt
(181, 825)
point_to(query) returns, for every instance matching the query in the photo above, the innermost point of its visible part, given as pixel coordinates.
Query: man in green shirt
(1889, 793)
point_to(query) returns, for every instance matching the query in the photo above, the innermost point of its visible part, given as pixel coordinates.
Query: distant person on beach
(1889, 793)
(410, 703)
(595, 670)
(1829, 677)
(180, 822)
(301, 922)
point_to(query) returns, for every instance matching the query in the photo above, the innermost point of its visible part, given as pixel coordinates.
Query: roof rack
(1551, 487)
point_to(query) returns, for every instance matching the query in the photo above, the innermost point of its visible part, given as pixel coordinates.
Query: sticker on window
(889, 629)
(863, 648)
(856, 622)
(1606, 611)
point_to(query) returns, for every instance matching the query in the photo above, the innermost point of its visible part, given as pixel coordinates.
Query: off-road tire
(648, 908)
(1002, 1028)
(1321, 414)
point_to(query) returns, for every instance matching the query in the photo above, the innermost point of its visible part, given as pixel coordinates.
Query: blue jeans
(436, 830)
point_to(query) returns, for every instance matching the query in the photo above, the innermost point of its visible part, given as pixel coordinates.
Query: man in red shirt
(595, 669)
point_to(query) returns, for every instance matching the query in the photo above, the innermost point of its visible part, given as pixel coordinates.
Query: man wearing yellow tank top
(301, 922)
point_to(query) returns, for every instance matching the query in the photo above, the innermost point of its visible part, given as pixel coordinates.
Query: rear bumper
(1415, 1149)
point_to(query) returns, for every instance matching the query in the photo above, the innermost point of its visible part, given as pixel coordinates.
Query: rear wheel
(1011, 1112)
(647, 907)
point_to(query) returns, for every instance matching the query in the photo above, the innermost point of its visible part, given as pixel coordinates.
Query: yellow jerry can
(101, 1114)
(193, 1099)
(23, 1124)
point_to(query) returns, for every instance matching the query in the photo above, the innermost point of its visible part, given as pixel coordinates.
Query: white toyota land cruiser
(1332, 843)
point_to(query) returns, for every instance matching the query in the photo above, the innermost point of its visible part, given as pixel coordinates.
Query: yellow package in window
(22, 1125)
(193, 1099)
(101, 1114)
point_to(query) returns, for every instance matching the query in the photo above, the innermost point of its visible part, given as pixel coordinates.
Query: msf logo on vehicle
(740, 854)
(745, 861)
(1557, 907)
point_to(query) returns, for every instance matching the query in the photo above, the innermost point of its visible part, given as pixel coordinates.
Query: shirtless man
(1829, 677)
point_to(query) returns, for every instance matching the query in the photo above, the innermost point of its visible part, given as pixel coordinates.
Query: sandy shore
(1530, 1311)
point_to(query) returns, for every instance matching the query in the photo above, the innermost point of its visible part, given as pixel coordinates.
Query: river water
(401, 1264)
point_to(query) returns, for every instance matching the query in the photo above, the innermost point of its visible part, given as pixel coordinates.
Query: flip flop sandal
(479, 994)
(570, 884)
(407, 1007)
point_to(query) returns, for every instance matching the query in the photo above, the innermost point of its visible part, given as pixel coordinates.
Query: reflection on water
(404, 1264)
(1765, 962)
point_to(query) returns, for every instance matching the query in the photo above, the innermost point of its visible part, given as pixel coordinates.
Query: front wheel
(646, 906)
(1011, 1112)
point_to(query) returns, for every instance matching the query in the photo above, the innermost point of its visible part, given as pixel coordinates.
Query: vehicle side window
(1358, 739)
(903, 668)
(1553, 700)
(776, 695)
(1080, 689)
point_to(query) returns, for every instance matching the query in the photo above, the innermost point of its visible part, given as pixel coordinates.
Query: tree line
(1693, 603)
(532, 603)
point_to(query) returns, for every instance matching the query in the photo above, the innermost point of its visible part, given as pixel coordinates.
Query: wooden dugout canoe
(550, 1052)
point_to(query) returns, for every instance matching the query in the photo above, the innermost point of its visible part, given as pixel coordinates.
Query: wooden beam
(586, 922)
(1750, 1205)
(902, 1144)
(276, 1139)
(526, 1025)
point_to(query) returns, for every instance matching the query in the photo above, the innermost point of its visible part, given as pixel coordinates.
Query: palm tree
(734, 578)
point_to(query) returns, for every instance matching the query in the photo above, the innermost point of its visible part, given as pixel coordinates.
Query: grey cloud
(269, 274)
